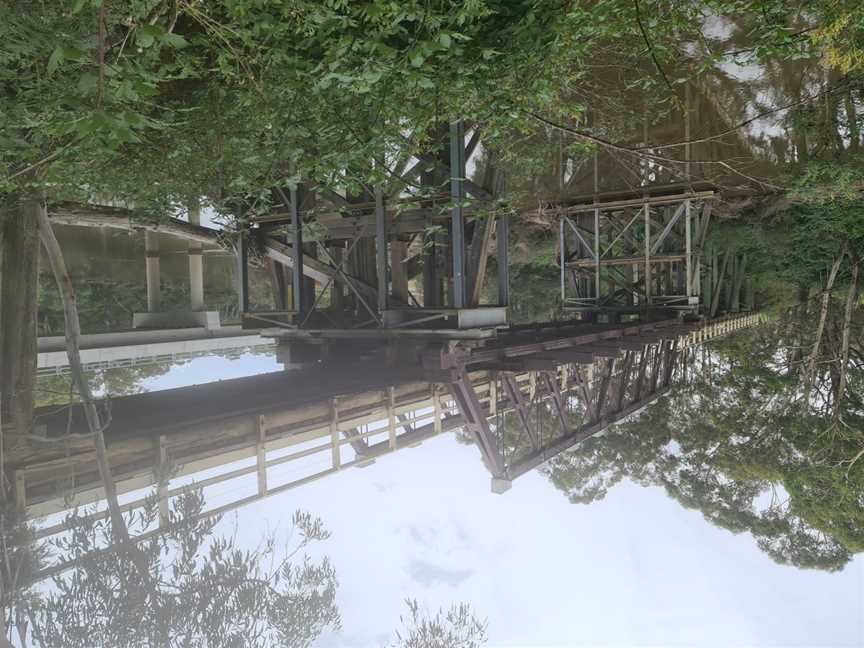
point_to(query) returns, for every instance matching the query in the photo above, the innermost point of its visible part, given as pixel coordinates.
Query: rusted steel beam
(620, 261)
(553, 388)
(476, 423)
(567, 356)
(578, 435)
(517, 399)
(603, 388)
(624, 379)
(507, 346)
(607, 201)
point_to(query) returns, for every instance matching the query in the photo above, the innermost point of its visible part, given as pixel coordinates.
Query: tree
(458, 627)
(732, 443)
(198, 588)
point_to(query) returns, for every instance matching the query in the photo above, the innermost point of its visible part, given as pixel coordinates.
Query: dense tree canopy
(148, 100)
(740, 443)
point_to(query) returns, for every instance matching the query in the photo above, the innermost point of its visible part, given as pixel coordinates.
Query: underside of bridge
(409, 260)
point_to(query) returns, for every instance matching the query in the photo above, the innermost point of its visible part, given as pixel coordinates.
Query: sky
(635, 569)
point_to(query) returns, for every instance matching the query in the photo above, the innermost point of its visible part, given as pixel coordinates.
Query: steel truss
(572, 393)
(361, 252)
(633, 255)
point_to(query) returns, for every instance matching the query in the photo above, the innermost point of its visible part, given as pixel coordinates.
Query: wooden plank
(391, 418)
(336, 454)
(261, 454)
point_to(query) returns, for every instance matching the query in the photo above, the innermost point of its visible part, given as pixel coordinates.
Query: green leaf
(174, 40)
(56, 59)
(416, 58)
(147, 35)
(444, 39)
(88, 83)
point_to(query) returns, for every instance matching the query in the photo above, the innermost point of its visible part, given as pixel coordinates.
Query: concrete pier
(154, 280)
(196, 264)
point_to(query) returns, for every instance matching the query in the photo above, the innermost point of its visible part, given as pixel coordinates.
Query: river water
(345, 498)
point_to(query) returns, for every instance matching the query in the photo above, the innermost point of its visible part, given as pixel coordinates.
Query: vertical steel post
(647, 255)
(243, 272)
(336, 295)
(563, 257)
(503, 260)
(687, 150)
(597, 256)
(457, 218)
(688, 235)
(381, 248)
(297, 245)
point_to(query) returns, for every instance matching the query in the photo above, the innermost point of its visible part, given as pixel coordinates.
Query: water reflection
(183, 584)
(711, 422)
(753, 420)
(752, 443)
(178, 581)
(724, 414)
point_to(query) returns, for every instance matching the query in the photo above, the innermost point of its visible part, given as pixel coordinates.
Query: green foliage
(794, 248)
(79, 85)
(458, 627)
(841, 34)
(736, 444)
(198, 589)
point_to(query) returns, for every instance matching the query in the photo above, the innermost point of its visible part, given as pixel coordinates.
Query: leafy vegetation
(157, 104)
(184, 586)
(747, 445)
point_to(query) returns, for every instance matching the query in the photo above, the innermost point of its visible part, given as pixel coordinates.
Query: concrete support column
(196, 263)
(500, 486)
(196, 279)
(154, 282)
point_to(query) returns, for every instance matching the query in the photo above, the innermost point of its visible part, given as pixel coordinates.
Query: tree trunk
(851, 301)
(820, 329)
(715, 291)
(852, 122)
(18, 318)
(73, 343)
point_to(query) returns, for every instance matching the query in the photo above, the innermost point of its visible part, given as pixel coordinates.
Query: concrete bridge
(144, 346)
